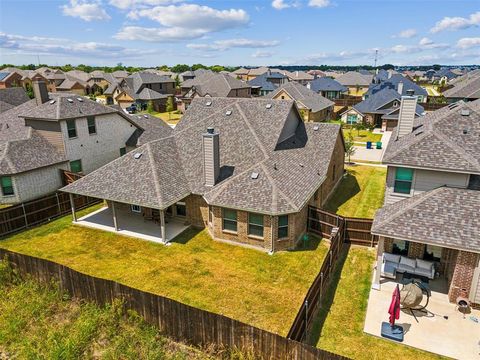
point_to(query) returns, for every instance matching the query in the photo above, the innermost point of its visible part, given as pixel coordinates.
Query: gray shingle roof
(13, 96)
(466, 88)
(392, 83)
(380, 103)
(151, 128)
(443, 217)
(327, 84)
(213, 84)
(353, 78)
(306, 97)
(149, 94)
(249, 141)
(438, 140)
(263, 82)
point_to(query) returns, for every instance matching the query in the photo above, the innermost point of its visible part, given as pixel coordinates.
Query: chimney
(400, 87)
(308, 85)
(406, 116)
(389, 76)
(40, 91)
(211, 156)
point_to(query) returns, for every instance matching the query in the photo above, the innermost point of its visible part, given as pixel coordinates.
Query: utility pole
(376, 57)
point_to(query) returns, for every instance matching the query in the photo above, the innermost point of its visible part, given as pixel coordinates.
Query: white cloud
(457, 23)
(222, 45)
(280, 4)
(182, 22)
(262, 54)
(127, 4)
(467, 43)
(425, 41)
(319, 3)
(406, 34)
(85, 10)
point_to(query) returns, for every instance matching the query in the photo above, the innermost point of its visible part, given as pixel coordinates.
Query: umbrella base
(392, 333)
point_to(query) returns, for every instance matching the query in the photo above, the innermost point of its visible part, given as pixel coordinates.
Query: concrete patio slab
(131, 224)
(444, 330)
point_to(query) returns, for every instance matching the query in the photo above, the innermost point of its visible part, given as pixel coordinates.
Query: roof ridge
(453, 146)
(154, 173)
(250, 128)
(277, 190)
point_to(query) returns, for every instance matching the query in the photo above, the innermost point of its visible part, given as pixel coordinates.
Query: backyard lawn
(248, 285)
(362, 135)
(339, 326)
(360, 193)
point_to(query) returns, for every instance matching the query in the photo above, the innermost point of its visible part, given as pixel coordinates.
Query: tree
(198, 66)
(150, 107)
(349, 146)
(169, 106)
(217, 68)
(359, 127)
(177, 81)
(179, 68)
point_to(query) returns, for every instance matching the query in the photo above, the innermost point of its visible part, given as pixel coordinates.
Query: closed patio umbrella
(394, 309)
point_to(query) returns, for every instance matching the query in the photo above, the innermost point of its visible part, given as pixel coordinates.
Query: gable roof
(214, 84)
(438, 140)
(150, 128)
(353, 78)
(466, 88)
(393, 82)
(326, 84)
(310, 99)
(289, 171)
(262, 81)
(376, 103)
(430, 218)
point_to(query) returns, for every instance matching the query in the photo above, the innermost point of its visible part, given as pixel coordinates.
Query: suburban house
(466, 87)
(192, 74)
(143, 87)
(312, 106)
(10, 79)
(210, 84)
(328, 87)
(429, 223)
(401, 84)
(266, 83)
(11, 97)
(241, 74)
(382, 109)
(300, 77)
(356, 82)
(244, 169)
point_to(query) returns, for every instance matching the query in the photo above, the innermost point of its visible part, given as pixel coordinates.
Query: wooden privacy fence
(22, 216)
(174, 319)
(357, 231)
(311, 303)
(348, 101)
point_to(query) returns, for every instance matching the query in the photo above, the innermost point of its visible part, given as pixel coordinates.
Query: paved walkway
(364, 154)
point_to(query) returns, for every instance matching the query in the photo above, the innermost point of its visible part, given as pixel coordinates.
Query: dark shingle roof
(438, 140)
(393, 82)
(327, 84)
(442, 217)
(213, 84)
(249, 142)
(310, 99)
(14, 96)
(151, 128)
(262, 81)
(377, 103)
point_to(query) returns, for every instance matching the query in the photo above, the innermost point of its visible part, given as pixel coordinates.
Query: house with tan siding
(244, 169)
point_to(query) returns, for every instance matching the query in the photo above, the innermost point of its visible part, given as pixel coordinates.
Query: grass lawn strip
(247, 285)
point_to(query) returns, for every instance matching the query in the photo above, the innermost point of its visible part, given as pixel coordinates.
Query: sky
(233, 33)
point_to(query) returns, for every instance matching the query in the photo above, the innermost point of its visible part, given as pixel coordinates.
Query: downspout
(271, 236)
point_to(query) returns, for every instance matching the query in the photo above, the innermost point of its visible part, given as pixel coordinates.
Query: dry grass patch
(247, 285)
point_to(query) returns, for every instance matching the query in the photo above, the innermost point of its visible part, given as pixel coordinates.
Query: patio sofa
(393, 264)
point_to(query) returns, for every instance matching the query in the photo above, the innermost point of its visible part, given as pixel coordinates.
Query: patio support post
(162, 226)
(72, 204)
(378, 270)
(114, 214)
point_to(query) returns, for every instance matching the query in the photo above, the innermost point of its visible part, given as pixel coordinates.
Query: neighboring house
(150, 128)
(328, 87)
(11, 97)
(399, 83)
(381, 109)
(144, 87)
(10, 79)
(73, 85)
(245, 169)
(212, 84)
(253, 73)
(432, 197)
(466, 87)
(120, 74)
(266, 83)
(356, 82)
(241, 74)
(300, 77)
(312, 106)
(190, 75)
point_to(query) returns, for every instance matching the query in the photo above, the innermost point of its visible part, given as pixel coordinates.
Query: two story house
(432, 197)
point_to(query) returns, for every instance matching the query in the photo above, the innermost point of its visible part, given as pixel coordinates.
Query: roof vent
(52, 102)
(254, 175)
(70, 100)
(316, 127)
(208, 103)
(228, 113)
(465, 112)
(301, 165)
(465, 131)
(80, 99)
(137, 156)
(268, 106)
(419, 133)
(145, 116)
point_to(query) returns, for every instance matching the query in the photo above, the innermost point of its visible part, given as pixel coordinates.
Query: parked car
(132, 109)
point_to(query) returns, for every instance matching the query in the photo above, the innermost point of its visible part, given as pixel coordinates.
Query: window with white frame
(255, 224)
(136, 208)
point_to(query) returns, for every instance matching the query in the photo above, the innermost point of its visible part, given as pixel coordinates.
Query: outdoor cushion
(422, 264)
(408, 262)
(389, 268)
(405, 268)
(391, 257)
(423, 272)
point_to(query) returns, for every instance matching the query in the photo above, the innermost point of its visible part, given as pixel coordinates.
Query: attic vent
(137, 156)
(70, 100)
(465, 131)
(208, 103)
(52, 102)
(268, 106)
(254, 175)
(465, 112)
(301, 165)
(316, 127)
(228, 113)
(145, 116)
(453, 106)
(80, 99)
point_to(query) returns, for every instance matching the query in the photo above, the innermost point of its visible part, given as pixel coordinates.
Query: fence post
(58, 204)
(321, 288)
(25, 215)
(306, 318)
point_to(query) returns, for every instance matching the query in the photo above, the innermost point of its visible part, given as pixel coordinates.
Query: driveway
(364, 154)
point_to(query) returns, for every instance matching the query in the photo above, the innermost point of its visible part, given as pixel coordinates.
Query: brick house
(432, 196)
(245, 169)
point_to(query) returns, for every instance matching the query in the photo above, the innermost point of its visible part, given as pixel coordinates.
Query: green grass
(248, 285)
(339, 326)
(40, 322)
(362, 135)
(360, 192)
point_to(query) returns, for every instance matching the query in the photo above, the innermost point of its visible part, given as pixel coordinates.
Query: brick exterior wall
(416, 250)
(197, 211)
(388, 245)
(462, 275)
